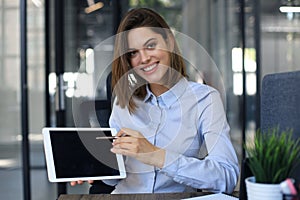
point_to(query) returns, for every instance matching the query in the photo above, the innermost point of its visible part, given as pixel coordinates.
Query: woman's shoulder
(201, 88)
(204, 91)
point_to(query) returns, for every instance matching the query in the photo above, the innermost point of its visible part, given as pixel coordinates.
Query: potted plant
(272, 158)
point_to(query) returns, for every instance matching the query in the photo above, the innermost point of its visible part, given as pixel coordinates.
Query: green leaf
(273, 155)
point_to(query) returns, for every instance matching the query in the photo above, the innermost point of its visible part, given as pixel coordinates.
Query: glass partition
(214, 25)
(10, 155)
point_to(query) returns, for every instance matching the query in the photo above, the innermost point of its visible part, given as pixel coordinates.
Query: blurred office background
(246, 39)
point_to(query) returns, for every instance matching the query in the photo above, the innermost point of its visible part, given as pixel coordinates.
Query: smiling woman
(150, 57)
(177, 135)
(144, 40)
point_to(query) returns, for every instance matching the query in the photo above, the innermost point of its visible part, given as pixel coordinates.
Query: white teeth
(146, 69)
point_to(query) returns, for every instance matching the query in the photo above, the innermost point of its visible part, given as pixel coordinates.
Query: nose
(145, 57)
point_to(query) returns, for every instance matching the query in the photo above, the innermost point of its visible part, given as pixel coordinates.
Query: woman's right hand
(80, 182)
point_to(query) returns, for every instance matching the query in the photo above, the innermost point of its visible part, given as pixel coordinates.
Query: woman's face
(148, 54)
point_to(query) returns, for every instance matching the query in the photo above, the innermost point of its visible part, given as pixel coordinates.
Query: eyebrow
(149, 40)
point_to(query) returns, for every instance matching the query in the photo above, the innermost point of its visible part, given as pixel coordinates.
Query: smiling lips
(150, 67)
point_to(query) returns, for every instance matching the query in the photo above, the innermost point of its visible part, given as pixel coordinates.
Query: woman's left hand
(132, 143)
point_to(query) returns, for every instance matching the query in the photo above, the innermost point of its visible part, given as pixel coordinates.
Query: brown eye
(132, 54)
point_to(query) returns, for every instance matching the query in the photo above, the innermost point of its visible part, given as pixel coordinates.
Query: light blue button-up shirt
(189, 122)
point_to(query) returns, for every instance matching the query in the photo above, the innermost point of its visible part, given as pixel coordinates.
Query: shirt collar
(149, 94)
(171, 96)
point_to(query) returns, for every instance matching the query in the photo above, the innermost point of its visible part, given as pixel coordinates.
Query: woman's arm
(219, 170)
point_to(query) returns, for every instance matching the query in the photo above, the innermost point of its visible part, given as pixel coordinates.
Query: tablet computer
(81, 154)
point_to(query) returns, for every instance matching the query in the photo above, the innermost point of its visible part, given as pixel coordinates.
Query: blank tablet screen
(80, 154)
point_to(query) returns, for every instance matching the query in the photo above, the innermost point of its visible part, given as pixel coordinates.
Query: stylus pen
(106, 137)
(110, 137)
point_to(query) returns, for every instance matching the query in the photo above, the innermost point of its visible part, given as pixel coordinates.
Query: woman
(165, 121)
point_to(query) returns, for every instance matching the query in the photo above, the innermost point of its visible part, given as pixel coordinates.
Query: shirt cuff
(171, 164)
(111, 182)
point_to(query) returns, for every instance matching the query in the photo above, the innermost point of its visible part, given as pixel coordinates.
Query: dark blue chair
(280, 99)
(280, 104)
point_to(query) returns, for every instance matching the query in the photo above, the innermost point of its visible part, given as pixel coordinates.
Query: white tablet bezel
(50, 161)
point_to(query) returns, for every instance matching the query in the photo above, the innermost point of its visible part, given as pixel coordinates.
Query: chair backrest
(96, 113)
(280, 104)
(280, 98)
(280, 101)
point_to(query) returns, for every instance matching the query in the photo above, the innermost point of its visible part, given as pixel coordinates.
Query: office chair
(280, 104)
(102, 110)
(280, 101)
(96, 113)
(280, 98)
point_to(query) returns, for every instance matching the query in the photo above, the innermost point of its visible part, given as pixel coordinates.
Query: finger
(122, 152)
(126, 146)
(90, 181)
(122, 133)
(80, 182)
(125, 140)
(73, 183)
(130, 132)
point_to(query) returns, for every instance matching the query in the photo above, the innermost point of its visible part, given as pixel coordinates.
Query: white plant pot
(261, 191)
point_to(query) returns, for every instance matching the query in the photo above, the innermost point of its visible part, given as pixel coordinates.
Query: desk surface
(163, 196)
